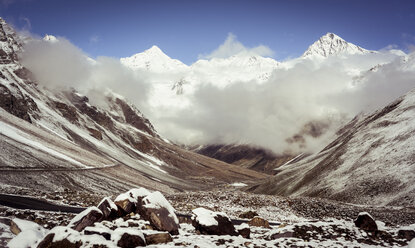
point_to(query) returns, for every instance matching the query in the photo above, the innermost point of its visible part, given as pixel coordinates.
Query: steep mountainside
(371, 162)
(55, 140)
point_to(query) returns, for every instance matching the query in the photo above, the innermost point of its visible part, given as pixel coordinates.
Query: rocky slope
(371, 162)
(56, 140)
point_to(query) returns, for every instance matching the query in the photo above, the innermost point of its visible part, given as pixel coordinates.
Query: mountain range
(55, 140)
(241, 67)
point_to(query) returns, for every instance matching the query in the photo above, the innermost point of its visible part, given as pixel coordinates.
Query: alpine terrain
(79, 173)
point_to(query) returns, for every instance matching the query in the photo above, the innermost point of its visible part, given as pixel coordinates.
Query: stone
(406, 234)
(130, 201)
(158, 211)
(14, 228)
(212, 223)
(47, 242)
(158, 238)
(129, 240)
(245, 232)
(99, 231)
(366, 222)
(248, 215)
(108, 208)
(125, 207)
(86, 218)
(259, 222)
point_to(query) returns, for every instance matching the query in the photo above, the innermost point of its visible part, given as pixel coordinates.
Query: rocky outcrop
(68, 112)
(133, 117)
(16, 103)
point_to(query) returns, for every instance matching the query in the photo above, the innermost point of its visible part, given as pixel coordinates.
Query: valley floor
(300, 222)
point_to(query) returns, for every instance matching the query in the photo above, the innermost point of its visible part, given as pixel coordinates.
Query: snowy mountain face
(331, 44)
(153, 60)
(9, 43)
(106, 148)
(371, 162)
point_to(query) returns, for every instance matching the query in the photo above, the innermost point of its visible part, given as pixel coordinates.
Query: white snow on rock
(117, 234)
(29, 235)
(239, 184)
(206, 217)
(133, 194)
(157, 200)
(82, 214)
(108, 199)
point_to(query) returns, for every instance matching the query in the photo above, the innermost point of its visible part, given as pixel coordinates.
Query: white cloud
(61, 65)
(298, 109)
(232, 46)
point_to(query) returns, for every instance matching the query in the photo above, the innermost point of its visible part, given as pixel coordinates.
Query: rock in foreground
(212, 223)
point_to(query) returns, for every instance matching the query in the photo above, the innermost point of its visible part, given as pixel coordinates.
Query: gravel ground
(233, 202)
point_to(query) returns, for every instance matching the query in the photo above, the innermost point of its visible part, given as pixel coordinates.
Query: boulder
(86, 218)
(104, 232)
(61, 237)
(212, 223)
(244, 231)
(248, 215)
(108, 208)
(158, 238)
(406, 234)
(127, 237)
(366, 222)
(129, 202)
(259, 222)
(158, 211)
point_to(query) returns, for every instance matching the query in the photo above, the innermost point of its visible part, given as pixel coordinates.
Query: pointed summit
(154, 50)
(331, 44)
(153, 59)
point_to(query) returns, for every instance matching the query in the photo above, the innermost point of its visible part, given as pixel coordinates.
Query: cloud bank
(298, 109)
(232, 46)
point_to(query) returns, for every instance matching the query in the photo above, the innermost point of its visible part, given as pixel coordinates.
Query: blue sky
(186, 29)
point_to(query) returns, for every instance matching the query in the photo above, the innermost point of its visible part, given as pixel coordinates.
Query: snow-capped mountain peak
(331, 44)
(50, 38)
(153, 59)
(155, 50)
